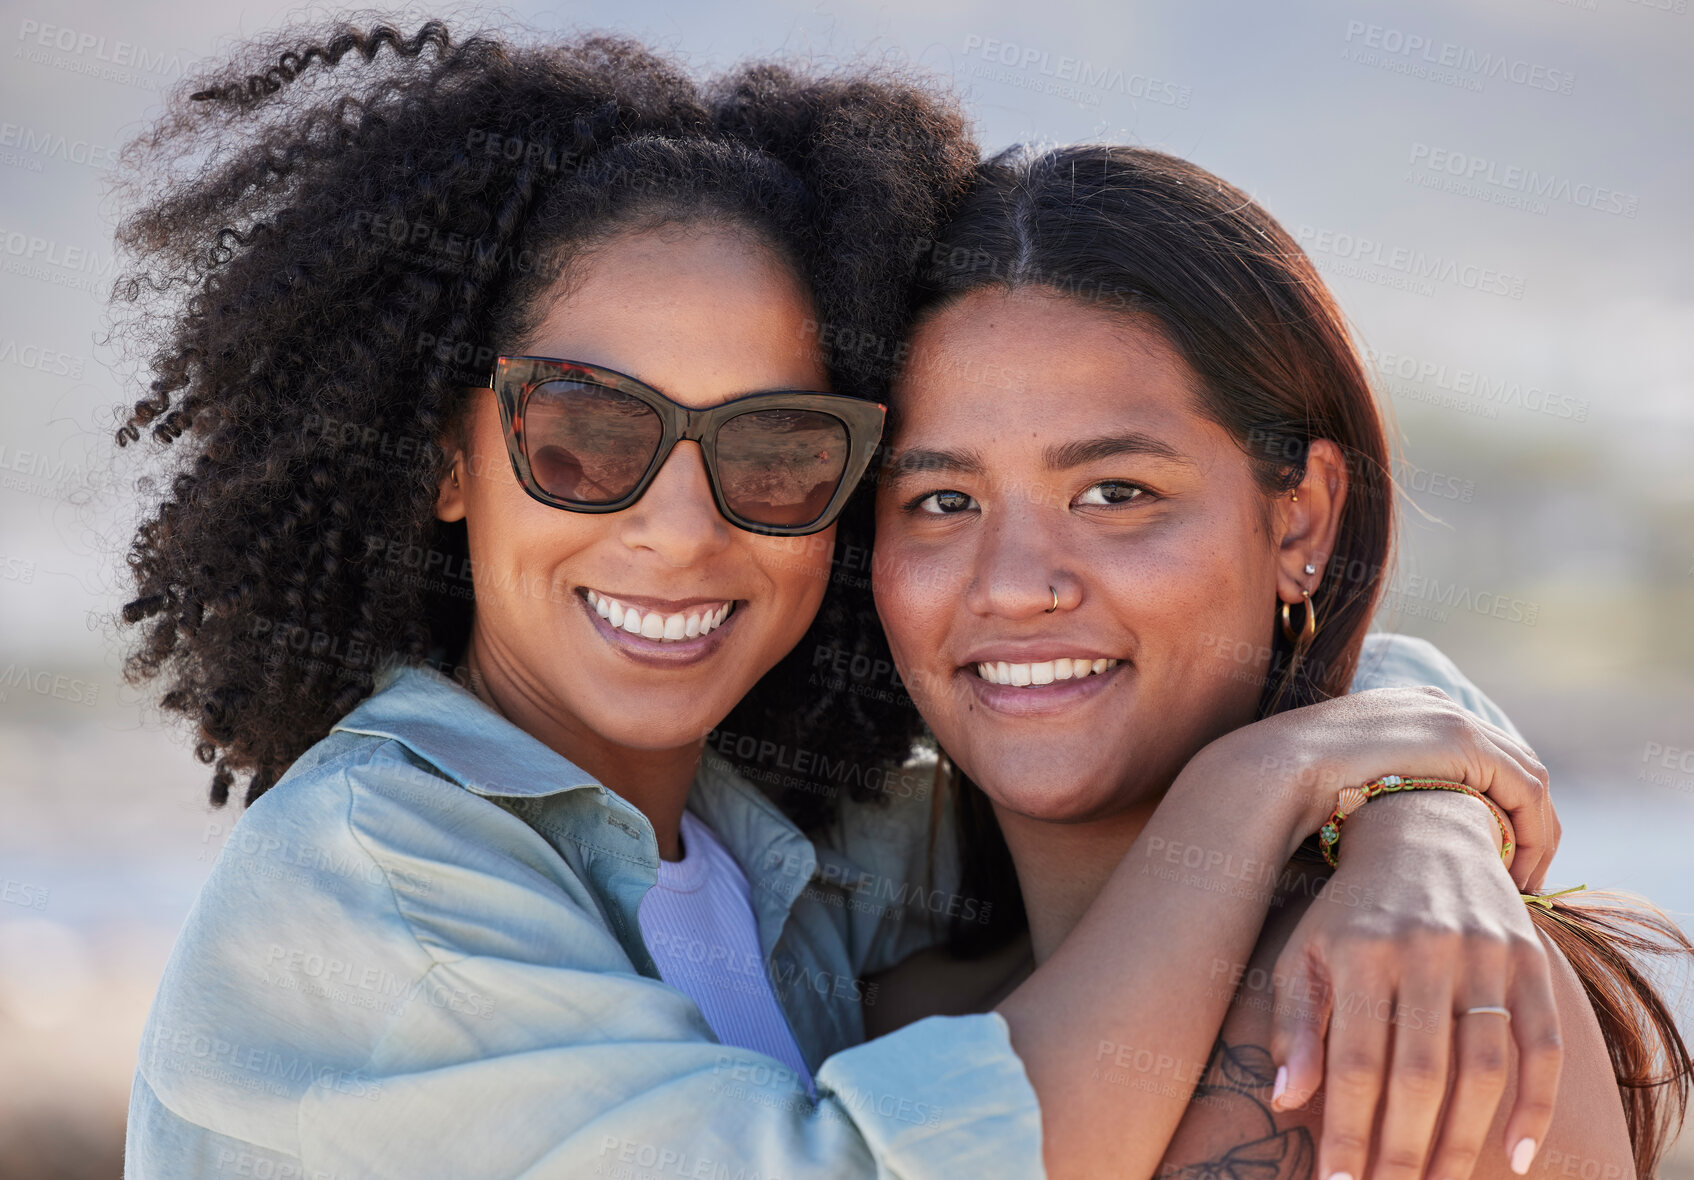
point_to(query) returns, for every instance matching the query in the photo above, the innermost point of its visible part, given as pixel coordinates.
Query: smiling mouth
(675, 627)
(1046, 672)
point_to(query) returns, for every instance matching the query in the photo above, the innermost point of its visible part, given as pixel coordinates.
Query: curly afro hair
(341, 223)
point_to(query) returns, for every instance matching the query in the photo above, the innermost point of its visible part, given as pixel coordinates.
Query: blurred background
(1498, 190)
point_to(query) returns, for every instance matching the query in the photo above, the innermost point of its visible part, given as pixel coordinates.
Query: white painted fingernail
(1340, 1176)
(1522, 1155)
(1281, 1083)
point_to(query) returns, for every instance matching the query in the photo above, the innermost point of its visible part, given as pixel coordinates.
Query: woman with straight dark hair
(1214, 524)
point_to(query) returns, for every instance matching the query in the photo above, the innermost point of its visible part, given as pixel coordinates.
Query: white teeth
(652, 624)
(1023, 675)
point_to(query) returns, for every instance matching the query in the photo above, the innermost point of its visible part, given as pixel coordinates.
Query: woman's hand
(1315, 751)
(1420, 924)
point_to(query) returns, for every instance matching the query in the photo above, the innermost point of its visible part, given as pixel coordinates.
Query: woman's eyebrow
(1063, 456)
(966, 462)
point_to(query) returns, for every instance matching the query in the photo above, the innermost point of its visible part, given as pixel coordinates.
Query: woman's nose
(676, 517)
(1016, 571)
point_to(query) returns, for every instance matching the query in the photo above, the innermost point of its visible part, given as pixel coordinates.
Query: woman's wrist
(1442, 817)
(1274, 790)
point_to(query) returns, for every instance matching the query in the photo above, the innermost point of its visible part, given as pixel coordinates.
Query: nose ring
(1055, 605)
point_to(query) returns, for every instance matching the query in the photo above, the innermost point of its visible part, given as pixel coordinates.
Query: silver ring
(1492, 1010)
(1055, 605)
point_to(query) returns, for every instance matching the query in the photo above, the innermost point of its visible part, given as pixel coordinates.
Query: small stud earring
(1295, 498)
(1310, 568)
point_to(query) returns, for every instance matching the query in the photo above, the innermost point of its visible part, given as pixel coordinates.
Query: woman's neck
(655, 781)
(1063, 866)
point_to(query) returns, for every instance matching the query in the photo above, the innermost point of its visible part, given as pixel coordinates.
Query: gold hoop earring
(1055, 605)
(1308, 631)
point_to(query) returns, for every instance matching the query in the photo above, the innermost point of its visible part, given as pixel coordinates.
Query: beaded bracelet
(1329, 836)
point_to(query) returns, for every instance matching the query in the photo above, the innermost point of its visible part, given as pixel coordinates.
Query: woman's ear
(1309, 518)
(450, 500)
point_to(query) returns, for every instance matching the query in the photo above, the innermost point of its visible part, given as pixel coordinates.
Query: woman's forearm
(1115, 1028)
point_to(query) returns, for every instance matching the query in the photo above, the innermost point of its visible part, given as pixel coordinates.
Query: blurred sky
(1535, 338)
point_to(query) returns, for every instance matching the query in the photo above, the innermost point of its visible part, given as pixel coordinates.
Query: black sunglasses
(590, 439)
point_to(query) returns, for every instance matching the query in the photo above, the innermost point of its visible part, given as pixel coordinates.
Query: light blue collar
(453, 729)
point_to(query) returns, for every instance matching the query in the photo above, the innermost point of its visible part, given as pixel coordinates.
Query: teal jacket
(417, 955)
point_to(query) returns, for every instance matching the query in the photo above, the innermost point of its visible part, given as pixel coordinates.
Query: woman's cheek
(902, 607)
(798, 569)
(922, 611)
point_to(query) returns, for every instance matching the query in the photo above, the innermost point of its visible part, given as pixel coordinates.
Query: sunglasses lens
(588, 443)
(781, 467)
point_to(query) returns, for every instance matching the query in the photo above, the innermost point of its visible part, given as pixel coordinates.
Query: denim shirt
(418, 956)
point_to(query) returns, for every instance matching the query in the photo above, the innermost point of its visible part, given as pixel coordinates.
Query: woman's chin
(1048, 796)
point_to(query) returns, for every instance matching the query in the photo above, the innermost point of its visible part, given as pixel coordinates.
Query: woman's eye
(1111, 491)
(944, 503)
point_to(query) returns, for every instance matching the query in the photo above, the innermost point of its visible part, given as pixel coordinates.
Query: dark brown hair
(336, 229)
(1148, 235)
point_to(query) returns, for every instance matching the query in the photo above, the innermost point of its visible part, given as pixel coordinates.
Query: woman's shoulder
(355, 799)
(1387, 659)
(362, 894)
(363, 841)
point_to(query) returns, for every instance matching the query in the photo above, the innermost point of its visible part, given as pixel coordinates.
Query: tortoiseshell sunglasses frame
(514, 378)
